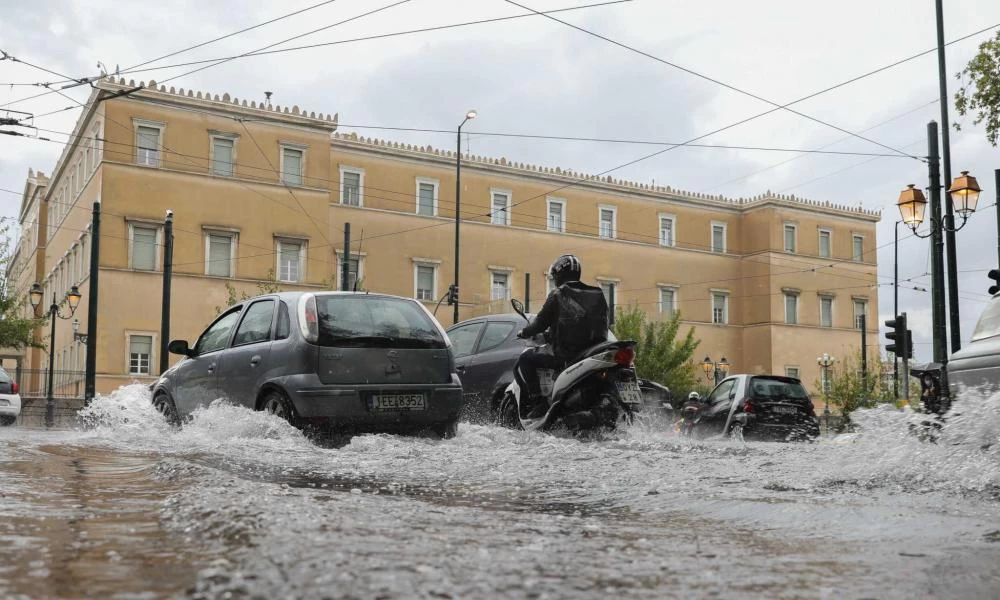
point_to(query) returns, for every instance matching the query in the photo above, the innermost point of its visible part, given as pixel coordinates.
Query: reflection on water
(239, 503)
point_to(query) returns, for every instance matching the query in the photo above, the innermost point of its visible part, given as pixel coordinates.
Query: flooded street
(238, 504)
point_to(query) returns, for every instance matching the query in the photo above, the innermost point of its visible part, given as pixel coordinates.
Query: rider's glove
(521, 334)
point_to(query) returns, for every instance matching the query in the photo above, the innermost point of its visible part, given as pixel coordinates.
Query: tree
(268, 286)
(660, 356)
(979, 90)
(16, 331)
(848, 391)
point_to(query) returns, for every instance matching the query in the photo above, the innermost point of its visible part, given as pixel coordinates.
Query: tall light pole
(715, 371)
(895, 304)
(824, 363)
(73, 298)
(453, 296)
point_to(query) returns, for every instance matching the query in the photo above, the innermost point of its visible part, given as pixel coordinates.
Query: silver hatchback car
(344, 361)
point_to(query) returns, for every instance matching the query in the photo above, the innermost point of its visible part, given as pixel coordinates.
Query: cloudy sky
(534, 75)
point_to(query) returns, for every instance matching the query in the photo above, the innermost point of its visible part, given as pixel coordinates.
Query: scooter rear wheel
(507, 414)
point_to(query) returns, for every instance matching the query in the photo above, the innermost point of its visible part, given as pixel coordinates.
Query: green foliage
(16, 331)
(660, 356)
(849, 391)
(268, 286)
(979, 91)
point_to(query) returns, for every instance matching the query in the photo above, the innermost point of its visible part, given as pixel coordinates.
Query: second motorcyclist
(576, 316)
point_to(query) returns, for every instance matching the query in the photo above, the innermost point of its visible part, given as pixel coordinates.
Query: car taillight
(749, 406)
(308, 318)
(625, 356)
(13, 387)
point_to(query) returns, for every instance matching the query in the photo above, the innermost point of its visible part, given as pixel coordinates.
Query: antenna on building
(268, 96)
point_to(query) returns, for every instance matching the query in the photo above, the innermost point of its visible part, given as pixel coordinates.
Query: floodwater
(238, 504)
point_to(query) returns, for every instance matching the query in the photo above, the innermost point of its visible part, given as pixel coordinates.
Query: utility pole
(937, 252)
(345, 264)
(527, 292)
(907, 344)
(168, 273)
(864, 349)
(90, 374)
(949, 218)
(895, 309)
(996, 208)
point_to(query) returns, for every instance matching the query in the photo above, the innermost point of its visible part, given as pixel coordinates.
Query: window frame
(160, 128)
(786, 295)
(494, 192)
(338, 260)
(433, 265)
(832, 301)
(614, 221)
(829, 242)
(243, 317)
(549, 202)
(795, 238)
(673, 289)
(854, 238)
(229, 137)
(864, 304)
(725, 237)
(507, 273)
(303, 254)
(614, 283)
(725, 307)
(798, 372)
(132, 224)
(673, 229)
(153, 347)
(436, 183)
(342, 169)
(301, 148)
(233, 236)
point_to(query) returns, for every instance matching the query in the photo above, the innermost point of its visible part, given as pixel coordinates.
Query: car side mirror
(518, 307)
(180, 347)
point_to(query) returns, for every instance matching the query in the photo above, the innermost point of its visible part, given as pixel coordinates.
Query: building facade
(261, 195)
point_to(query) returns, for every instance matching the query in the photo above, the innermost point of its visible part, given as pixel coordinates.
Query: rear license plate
(396, 402)
(629, 392)
(4, 402)
(785, 410)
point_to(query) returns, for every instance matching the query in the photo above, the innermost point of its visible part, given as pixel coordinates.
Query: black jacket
(577, 314)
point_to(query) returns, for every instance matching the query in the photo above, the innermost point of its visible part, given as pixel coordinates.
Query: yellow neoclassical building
(262, 193)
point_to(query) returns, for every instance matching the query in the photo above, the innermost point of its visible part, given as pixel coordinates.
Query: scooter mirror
(518, 307)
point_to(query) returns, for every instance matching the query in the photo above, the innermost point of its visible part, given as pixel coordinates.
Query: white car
(10, 399)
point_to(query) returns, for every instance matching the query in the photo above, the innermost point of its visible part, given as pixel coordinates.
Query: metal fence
(34, 383)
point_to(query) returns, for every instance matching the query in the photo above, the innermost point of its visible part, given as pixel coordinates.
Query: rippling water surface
(239, 504)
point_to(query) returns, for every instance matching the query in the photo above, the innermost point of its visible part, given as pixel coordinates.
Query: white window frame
(508, 273)
(725, 307)
(431, 264)
(614, 221)
(795, 238)
(160, 126)
(132, 224)
(785, 296)
(229, 137)
(725, 236)
(832, 300)
(339, 260)
(361, 184)
(234, 237)
(659, 302)
(425, 181)
(854, 310)
(829, 238)
(615, 284)
(509, 195)
(855, 237)
(549, 202)
(798, 372)
(673, 229)
(304, 149)
(154, 347)
(303, 253)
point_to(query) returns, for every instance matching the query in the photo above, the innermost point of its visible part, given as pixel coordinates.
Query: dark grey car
(339, 360)
(977, 365)
(486, 349)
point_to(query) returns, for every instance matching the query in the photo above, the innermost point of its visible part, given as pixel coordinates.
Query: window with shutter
(140, 349)
(350, 193)
(289, 261)
(425, 199)
(144, 248)
(425, 283)
(147, 146)
(220, 255)
(291, 166)
(222, 156)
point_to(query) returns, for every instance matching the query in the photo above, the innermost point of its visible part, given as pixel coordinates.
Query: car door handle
(211, 368)
(254, 361)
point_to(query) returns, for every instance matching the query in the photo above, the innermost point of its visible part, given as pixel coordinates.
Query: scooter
(595, 392)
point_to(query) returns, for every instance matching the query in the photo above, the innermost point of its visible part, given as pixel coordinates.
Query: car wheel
(6, 420)
(165, 406)
(507, 415)
(446, 430)
(275, 403)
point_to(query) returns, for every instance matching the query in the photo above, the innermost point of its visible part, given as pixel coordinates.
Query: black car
(486, 349)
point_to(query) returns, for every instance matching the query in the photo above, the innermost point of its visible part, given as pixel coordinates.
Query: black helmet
(566, 268)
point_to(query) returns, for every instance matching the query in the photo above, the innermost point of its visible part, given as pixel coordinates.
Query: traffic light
(452, 295)
(994, 274)
(909, 345)
(896, 335)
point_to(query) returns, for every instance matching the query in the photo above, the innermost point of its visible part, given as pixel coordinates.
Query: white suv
(10, 399)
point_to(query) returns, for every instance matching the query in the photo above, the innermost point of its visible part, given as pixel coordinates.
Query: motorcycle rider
(576, 315)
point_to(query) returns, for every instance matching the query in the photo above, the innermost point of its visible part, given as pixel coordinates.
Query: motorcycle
(691, 413)
(598, 389)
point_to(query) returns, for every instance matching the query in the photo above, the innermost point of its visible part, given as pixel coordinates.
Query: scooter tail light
(625, 356)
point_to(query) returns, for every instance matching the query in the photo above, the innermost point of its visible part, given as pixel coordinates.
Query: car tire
(7, 420)
(277, 404)
(165, 406)
(446, 430)
(507, 414)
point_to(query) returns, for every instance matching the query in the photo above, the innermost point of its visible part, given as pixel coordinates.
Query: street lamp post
(715, 371)
(73, 298)
(964, 195)
(824, 363)
(453, 296)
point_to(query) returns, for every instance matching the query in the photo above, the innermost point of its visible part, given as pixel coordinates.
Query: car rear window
(989, 321)
(375, 321)
(775, 387)
(4, 377)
